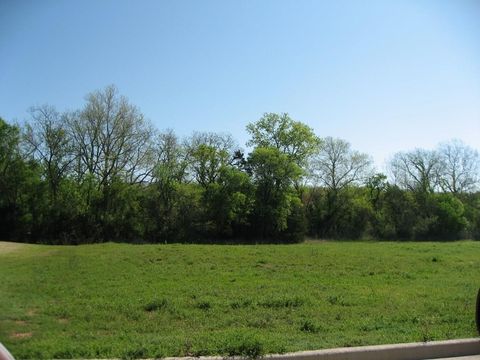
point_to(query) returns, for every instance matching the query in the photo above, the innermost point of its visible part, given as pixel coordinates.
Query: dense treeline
(103, 173)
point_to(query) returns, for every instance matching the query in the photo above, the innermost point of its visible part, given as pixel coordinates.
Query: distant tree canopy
(104, 173)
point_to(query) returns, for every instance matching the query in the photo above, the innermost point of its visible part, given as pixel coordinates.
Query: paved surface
(471, 357)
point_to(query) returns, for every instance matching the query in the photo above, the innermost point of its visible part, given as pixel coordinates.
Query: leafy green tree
(282, 149)
(450, 217)
(355, 215)
(162, 195)
(228, 203)
(207, 154)
(188, 224)
(471, 203)
(103, 173)
(376, 185)
(273, 174)
(10, 158)
(280, 131)
(22, 200)
(398, 214)
(124, 220)
(215, 165)
(348, 218)
(12, 175)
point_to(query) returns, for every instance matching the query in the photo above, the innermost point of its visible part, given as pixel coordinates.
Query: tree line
(104, 173)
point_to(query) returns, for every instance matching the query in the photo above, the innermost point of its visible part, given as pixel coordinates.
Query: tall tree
(9, 180)
(114, 151)
(170, 172)
(170, 158)
(9, 155)
(274, 174)
(459, 167)
(112, 139)
(280, 131)
(336, 166)
(207, 154)
(416, 170)
(47, 140)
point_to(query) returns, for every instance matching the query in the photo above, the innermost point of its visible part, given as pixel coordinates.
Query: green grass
(141, 301)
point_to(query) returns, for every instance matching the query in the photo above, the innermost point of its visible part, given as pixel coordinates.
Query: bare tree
(337, 166)
(460, 167)
(112, 139)
(46, 139)
(416, 170)
(334, 168)
(170, 157)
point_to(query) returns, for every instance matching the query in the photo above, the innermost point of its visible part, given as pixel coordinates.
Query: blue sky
(384, 75)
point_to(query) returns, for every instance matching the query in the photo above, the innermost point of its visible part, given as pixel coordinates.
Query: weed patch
(156, 305)
(282, 303)
(240, 304)
(309, 327)
(203, 305)
(243, 345)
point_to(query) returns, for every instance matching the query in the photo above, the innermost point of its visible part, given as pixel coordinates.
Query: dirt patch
(17, 335)
(31, 312)
(8, 247)
(63, 320)
(20, 322)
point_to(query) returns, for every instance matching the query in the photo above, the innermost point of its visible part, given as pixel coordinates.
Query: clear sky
(384, 75)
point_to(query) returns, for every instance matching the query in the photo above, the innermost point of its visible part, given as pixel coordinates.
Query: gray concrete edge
(407, 351)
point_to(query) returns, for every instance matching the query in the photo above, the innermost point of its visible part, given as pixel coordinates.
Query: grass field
(140, 301)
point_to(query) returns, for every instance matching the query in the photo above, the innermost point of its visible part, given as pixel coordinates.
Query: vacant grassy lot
(116, 300)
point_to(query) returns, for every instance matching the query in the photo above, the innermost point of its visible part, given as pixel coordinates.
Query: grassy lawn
(130, 301)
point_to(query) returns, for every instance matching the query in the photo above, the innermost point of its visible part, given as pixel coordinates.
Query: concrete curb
(409, 351)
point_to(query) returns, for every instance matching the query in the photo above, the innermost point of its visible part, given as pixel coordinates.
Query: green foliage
(471, 204)
(189, 224)
(297, 221)
(448, 214)
(207, 162)
(397, 216)
(94, 175)
(357, 212)
(344, 214)
(9, 142)
(274, 174)
(228, 203)
(11, 178)
(279, 131)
